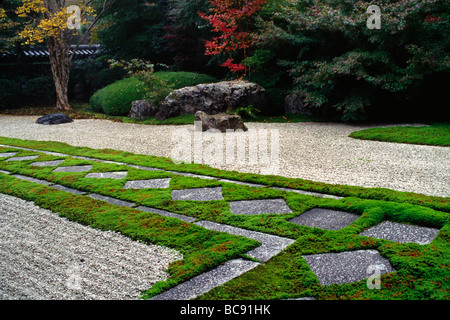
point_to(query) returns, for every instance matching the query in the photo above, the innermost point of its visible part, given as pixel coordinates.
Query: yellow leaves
(30, 6)
(45, 23)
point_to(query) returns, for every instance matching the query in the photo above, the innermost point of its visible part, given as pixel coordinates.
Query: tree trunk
(60, 65)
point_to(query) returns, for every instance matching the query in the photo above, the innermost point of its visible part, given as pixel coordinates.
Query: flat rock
(73, 168)
(111, 200)
(22, 158)
(148, 184)
(347, 267)
(53, 163)
(325, 219)
(259, 206)
(54, 118)
(7, 154)
(107, 175)
(198, 194)
(402, 233)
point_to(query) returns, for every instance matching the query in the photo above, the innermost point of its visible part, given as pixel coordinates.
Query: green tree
(339, 65)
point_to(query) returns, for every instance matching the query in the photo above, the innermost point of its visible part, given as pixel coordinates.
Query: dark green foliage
(182, 79)
(9, 92)
(40, 90)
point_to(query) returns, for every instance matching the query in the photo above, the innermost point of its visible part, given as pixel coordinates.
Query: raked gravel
(315, 151)
(46, 257)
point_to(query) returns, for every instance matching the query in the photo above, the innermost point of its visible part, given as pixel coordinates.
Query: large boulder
(220, 121)
(54, 118)
(141, 109)
(212, 98)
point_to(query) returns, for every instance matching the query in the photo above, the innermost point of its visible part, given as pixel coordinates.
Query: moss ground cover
(435, 135)
(423, 271)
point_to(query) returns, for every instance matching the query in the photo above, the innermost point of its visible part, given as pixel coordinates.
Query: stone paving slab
(148, 184)
(347, 267)
(270, 246)
(5, 172)
(259, 206)
(107, 175)
(22, 158)
(208, 280)
(74, 168)
(19, 176)
(401, 232)
(243, 183)
(166, 213)
(52, 163)
(325, 219)
(63, 188)
(111, 200)
(7, 154)
(198, 194)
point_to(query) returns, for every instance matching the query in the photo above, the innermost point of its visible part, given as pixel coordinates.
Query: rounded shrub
(116, 99)
(181, 79)
(9, 92)
(40, 90)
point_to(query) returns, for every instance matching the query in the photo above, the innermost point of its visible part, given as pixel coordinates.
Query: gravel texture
(347, 267)
(325, 219)
(314, 151)
(44, 256)
(259, 206)
(402, 233)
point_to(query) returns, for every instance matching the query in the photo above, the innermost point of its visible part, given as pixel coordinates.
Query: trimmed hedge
(116, 99)
(9, 91)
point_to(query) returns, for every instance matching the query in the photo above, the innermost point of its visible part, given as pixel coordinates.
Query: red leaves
(231, 19)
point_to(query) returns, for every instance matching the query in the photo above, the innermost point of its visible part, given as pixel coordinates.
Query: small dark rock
(141, 109)
(221, 122)
(55, 118)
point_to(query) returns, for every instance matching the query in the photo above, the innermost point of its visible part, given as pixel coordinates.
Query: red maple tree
(233, 20)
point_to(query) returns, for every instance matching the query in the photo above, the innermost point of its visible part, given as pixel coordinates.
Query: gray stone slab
(5, 172)
(74, 168)
(262, 206)
(108, 175)
(208, 280)
(325, 219)
(143, 168)
(31, 179)
(192, 175)
(23, 158)
(63, 188)
(166, 213)
(111, 200)
(198, 194)
(243, 183)
(148, 184)
(400, 232)
(7, 154)
(52, 163)
(347, 267)
(270, 246)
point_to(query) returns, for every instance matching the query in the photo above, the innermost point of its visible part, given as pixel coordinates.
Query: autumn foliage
(233, 21)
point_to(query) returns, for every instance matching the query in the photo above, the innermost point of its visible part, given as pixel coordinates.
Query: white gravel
(43, 256)
(315, 151)
(46, 257)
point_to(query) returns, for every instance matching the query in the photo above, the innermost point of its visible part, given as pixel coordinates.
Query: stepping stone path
(74, 168)
(7, 154)
(22, 158)
(198, 194)
(148, 184)
(259, 206)
(53, 163)
(330, 268)
(402, 233)
(347, 267)
(325, 219)
(109, 175)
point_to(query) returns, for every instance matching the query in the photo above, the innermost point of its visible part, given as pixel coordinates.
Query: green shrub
(182, 79)
(9, 91)
(116, 99)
